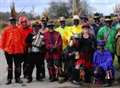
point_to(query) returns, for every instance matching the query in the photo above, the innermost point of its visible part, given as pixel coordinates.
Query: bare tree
(117, 9)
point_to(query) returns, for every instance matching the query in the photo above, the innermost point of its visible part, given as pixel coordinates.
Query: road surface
(35, 84)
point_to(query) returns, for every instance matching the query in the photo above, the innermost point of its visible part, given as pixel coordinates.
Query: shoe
(75, 82)
(18, 80)
(61, 80)
(29, 80)
(107, 85)
(53, 80)
(39, 79)
(25, 76)
(9, 82)
(50, 78)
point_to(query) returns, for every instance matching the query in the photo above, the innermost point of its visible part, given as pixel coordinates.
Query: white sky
(103, 6)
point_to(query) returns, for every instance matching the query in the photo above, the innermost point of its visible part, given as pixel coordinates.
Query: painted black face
(51, 27)
(109, 23)
(13, 22)
(62, 23)
(76, 22)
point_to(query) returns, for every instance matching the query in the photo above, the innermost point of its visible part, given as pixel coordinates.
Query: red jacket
(53, 39)
(13, 40)
(26, 32)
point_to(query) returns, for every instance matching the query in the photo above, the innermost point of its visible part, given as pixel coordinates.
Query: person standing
(76, 28)
(25, 27)
(84, 54)
(53, 45)
(13, 46)
(107, 33)
(62, 29)
(97, 24)
(35, 42)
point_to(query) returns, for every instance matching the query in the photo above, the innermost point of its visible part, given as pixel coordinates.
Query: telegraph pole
(74, 3)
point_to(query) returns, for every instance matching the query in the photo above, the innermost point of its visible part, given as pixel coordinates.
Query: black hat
(12, 19)
(97, 15)
(84, 18)
(108, 18)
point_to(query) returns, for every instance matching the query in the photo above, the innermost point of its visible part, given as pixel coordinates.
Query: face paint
(13, 22)
(76, 22)
(62, 23)
(109, 23)
(51, 27)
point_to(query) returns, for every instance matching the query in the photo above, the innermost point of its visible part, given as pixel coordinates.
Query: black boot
(18, 80)
(39, 78)
(29, 79)
(53, 80)
(9, 81)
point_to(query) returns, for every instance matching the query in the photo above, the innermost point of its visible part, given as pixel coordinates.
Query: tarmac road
(43, 84)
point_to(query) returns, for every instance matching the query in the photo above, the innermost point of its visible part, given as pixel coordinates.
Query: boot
(53, 79)
(50, 73)
(9, 81)
(29, 79)
(18, 80)
(53, 75)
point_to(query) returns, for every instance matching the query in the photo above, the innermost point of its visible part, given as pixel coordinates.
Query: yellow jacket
(64, 34)
(76, 29)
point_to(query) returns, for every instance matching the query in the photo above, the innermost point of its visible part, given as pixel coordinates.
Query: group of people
(76, 53)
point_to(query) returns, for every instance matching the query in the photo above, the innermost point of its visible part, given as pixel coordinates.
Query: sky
(102, 6)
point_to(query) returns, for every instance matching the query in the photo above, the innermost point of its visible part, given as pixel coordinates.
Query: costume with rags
(53, 45)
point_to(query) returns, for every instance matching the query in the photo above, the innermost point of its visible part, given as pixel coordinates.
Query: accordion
(38, 40)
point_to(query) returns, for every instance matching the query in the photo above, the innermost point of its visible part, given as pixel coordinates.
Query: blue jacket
(103, 59)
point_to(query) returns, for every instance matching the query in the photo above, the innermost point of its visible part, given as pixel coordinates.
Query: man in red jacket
(25, 27)
(53, 44)
(13, 46)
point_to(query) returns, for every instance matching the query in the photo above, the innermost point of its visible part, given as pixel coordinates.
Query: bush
(2, 25)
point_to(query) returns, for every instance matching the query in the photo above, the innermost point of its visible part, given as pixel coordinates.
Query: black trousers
(25, 64)
(16, 58)
(69, 67)
(34, 59)
(43, 65)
